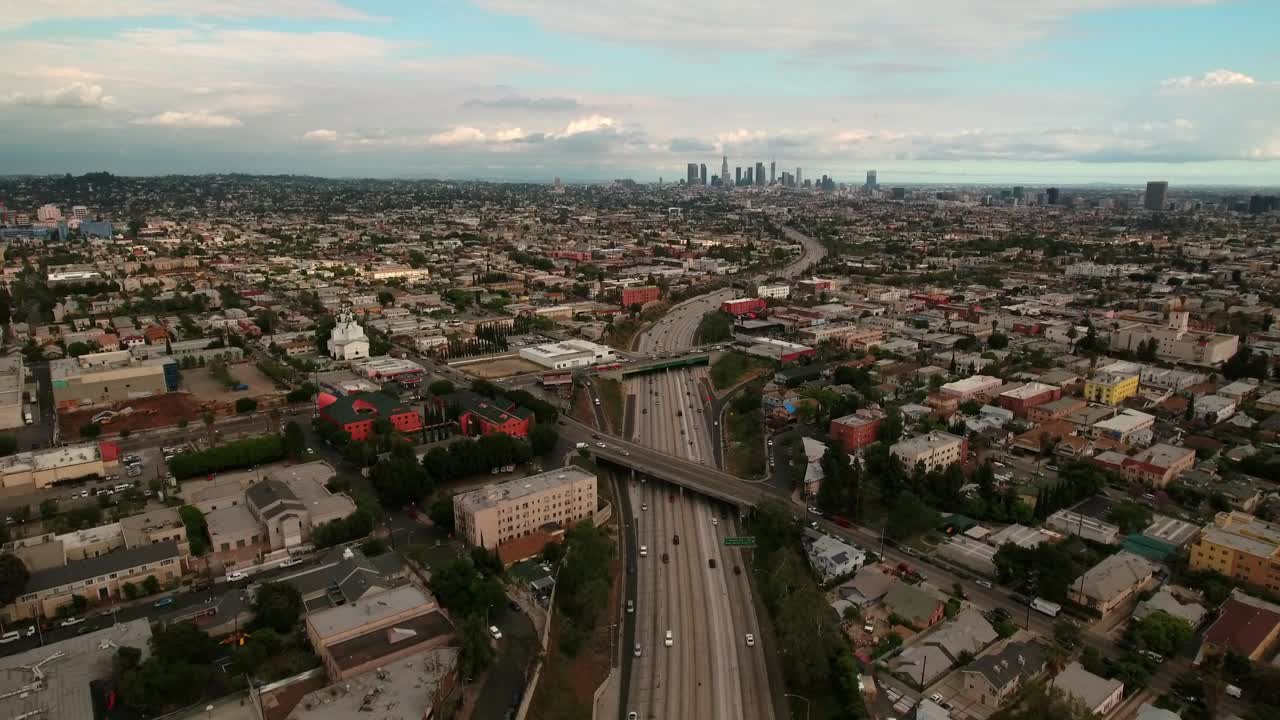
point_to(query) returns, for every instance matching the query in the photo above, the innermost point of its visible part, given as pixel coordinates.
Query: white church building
(348, 341)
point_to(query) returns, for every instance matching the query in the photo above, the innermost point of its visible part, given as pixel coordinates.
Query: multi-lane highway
(708, 670)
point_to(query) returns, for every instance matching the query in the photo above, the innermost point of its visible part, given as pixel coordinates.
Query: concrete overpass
(699, 478)
(644, 367)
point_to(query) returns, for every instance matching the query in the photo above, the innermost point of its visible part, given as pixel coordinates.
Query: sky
(924, 91)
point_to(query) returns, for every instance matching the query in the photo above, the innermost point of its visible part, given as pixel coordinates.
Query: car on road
(10, 636)
(31, 630)
(290, 562)
(624, 452)
(644, 551)
(814, 511)
(633, 715)
(751, 640)
(71, 621)
(237, 576)
(637, 652)
(715, 521)
(936, 698)
(644, 506)
(601, 445)
(495, 632)
(984, 583)
(675, 539)
(711, 563)
(670, 640)
(163, 602)
(631, 606)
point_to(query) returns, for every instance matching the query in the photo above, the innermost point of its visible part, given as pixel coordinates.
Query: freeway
(811, 255)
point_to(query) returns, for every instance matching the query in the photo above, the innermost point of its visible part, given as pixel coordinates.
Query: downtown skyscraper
(724, 170)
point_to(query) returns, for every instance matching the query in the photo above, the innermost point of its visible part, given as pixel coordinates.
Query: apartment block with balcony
(495, 514)
(1108, 388)
(934, 450)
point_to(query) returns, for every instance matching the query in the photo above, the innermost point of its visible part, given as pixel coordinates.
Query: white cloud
(588, 124)
(75, 95)
(1211, 79)
(321, 135)
(849, 27)
(198, 119)
(510, 135)
(460, 135)
(21, 14)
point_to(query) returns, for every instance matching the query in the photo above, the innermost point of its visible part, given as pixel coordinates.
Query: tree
(1130, 516)
(1040, 701)
(90, 430)
(277, 605)
(998, 341)
(543, 438)
(76, 349)
(246, 405)
(197, 529)
(385, 298)
(400, 479)
(910, 516)
(440, 387)
(1066, 634)
(48, 508)
(151, 585)
(441, 512)
(891, 426)
(13, 578)
(1161, 633)
(295, 441)
(8, 444)
(477, 652)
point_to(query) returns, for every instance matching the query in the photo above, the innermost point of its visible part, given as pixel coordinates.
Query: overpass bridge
(645, 367)
(699, 478)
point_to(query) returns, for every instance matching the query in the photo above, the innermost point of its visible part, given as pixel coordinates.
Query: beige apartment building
(935, 450)
(497, 513)
(97, 579)
(376, 631)
(1239, 546)
(40, 469)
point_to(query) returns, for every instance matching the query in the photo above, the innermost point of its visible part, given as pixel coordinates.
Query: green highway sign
(747, 541)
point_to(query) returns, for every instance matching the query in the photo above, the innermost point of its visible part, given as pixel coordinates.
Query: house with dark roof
(356, 414)
(480, 415)
(97, 579)
(993, 678)
(919, 607)
(1246, 626)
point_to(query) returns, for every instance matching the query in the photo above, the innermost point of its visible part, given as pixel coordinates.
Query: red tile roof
(1242, 627)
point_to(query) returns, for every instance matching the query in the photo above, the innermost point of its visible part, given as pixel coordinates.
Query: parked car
(71, 621)
(237, 576)
(290, 562)
(751, 640)
(10, 636)
(495, 632)
(162, 602)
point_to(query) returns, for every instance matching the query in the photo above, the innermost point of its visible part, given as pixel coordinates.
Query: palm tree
(209, 419)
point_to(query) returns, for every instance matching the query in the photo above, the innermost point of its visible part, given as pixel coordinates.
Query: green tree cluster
(400, 479)
(277, 606)
(197, 529)
(583, 583)
(230, 456)
(466, 457)
(176, 675)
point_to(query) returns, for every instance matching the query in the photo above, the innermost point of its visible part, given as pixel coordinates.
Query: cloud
(851, 27)
(75, 95)
(321, 135)
(25, 13)
(198, 119)
(1211, 79)
(588, 124)
(460, 135)
(681, 145)
(516, 102)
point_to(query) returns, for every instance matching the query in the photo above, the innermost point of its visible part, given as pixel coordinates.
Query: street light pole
(806, 703)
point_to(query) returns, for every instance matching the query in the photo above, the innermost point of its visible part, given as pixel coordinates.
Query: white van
(10, 637)
(670, 640)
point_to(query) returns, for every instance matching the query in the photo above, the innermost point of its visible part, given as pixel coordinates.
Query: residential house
(925, 661)
(97, 579)
(1111, 582)
(915, 605)
(833, 558)
(993, 678)
(1100, 695)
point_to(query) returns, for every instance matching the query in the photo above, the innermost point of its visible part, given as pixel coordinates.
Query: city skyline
(521, 90)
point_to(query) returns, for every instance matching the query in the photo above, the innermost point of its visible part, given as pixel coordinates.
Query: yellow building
(1240, 546)
(1111, 388)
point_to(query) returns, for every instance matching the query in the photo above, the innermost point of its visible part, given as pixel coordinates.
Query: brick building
(1020, 400)
(640, 295)
(857, 430)
(356, 414)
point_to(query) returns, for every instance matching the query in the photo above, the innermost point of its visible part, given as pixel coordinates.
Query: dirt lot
(152, 412)
(500, 368)
(200, 383)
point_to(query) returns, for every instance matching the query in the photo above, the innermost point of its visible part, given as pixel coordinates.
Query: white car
(290, 562)
(715, 521)
(936, 698)
(72, 621)
(644, 551)
(495, 632)
(601, 445)
(751, 640)
(637, 652)
(237, 576)
(670, 640)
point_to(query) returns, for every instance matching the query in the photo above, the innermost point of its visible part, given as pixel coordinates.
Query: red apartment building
(1019, 400)
(357, 413)
(743, 306)
(483, 416)
(857, 430)
(640, 295)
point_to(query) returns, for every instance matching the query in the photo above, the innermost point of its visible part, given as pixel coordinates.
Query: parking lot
(201, 384)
